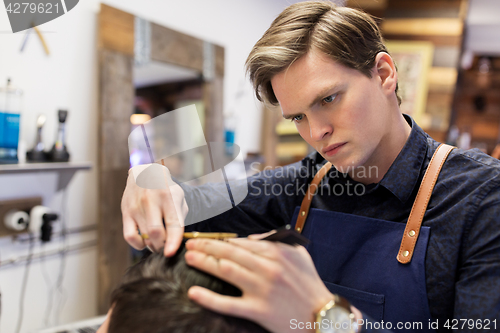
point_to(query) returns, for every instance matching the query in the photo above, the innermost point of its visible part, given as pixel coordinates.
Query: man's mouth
(333, 149)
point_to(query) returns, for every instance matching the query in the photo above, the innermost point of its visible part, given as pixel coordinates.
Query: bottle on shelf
(37, 154)
(59, 152)
(10, 114)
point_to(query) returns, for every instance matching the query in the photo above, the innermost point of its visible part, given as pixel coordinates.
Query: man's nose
(319, 129)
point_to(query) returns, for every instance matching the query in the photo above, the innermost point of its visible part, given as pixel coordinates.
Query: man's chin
(350, 166)
(344, 168)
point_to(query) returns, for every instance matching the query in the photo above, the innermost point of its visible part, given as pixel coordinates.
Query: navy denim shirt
(463, 255)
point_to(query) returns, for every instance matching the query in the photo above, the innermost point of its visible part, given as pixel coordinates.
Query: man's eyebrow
(325, 93)
(329, 90)
(290, 116)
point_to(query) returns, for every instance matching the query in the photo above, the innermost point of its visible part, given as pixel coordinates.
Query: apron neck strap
(418, 209)
(414, 223)
(311, 191)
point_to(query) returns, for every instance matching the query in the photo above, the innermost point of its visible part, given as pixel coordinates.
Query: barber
(373, 255)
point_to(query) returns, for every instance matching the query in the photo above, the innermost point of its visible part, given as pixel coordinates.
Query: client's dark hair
(152, 298)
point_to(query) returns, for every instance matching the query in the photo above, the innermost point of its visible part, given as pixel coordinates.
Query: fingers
(260, 236)
(224, 269)
(129, 208)
(293, 257)
(179, 202)
(267, 249)
(174, 222)
(228, 305)
(131, 235)
(285, 286)
(153, 224)
(148, 209)
(174, 239)
(226, 250)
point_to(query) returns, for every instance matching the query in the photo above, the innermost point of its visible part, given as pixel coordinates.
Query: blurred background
(79, 85)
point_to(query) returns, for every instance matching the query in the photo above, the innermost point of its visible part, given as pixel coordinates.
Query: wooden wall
(477, 103)
(116, 53)
(281, 143)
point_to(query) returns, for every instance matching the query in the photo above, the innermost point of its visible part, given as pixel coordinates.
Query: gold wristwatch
(336, 317)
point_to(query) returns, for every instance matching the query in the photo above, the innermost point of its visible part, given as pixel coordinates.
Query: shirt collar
(404, 173)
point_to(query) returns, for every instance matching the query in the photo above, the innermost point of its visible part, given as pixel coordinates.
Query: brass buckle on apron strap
(418, 209)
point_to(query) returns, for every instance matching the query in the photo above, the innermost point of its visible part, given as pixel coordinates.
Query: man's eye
(330, 98)
(297, 118)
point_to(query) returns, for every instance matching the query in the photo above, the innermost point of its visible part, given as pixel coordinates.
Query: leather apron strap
(419, 207)
(311, 191)
(412, 229)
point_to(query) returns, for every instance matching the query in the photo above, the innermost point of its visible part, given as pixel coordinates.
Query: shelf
(286, 127)
(291, 149)
(64, 170)
(43, 167)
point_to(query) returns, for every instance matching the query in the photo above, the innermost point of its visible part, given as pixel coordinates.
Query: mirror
(161, 88)
(124, 87)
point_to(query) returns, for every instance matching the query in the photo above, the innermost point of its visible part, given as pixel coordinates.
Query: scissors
(285, 234)
(196, 234)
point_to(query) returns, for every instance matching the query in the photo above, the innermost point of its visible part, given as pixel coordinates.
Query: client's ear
(104, 327)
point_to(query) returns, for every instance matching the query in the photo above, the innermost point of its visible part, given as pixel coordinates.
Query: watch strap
(337, 301)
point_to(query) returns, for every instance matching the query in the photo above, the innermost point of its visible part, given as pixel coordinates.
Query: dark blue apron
(355, 257)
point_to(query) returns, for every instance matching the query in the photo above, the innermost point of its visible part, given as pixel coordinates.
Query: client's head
(153, 299)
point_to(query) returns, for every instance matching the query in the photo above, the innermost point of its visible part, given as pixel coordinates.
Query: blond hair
(349, 36)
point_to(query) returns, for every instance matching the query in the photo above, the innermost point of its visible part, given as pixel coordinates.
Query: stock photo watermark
(25, 14)
(450, 324)
(346, 187)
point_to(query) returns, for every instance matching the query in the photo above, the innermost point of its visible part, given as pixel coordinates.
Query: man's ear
(386, 70)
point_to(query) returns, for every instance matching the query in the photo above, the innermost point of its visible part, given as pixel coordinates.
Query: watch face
(337, 320)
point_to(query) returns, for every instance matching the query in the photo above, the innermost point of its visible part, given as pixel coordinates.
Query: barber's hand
(143, 209)
(279, 282)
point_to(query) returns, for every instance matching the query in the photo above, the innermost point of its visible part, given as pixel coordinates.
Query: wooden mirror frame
(116, 104)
